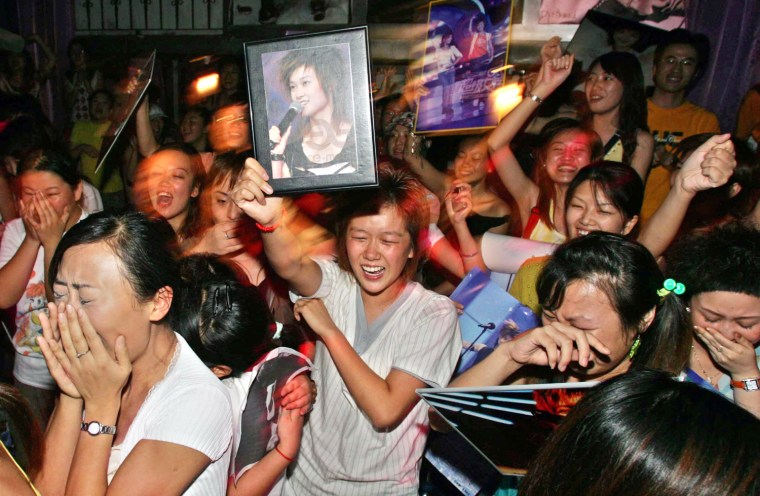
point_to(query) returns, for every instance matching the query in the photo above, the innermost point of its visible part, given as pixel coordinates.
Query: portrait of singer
(316, 134)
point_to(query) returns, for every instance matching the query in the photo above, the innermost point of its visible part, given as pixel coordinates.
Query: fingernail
(268, 189)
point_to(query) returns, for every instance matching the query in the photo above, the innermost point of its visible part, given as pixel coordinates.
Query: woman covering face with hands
(138, 412)
(603, 313)
(719, 271)
(382, 336)
(49, 189)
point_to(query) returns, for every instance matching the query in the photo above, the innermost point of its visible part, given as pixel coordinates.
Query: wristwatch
(752, 384)
(94, 428)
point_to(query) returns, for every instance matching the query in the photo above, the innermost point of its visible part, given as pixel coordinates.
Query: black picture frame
(344, 56)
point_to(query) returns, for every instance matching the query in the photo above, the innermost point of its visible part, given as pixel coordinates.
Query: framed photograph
(465, 58)
(311, 111)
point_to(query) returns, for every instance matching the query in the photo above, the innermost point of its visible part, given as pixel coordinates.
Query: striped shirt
(341, 453)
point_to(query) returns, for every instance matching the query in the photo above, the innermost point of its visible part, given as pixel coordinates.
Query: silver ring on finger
(720, 349)
(80, 355)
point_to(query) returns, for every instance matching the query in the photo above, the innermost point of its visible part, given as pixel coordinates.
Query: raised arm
(554, 345)
(386, 401)
(433, 179)
(146, 141)
(525, 192)
(641, 161)
(458, 206)
(283, 250)
(709, 166)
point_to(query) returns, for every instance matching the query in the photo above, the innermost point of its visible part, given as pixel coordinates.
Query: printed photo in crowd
(662, 14)
(490, 316)
(311, 108)
(290, 12)
(600, 33)
(464, 62)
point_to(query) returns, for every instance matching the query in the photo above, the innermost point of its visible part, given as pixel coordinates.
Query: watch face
(93, 428)
(752, 385)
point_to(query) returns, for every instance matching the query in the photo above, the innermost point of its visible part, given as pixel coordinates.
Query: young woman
(603, 313)
(617, 110)
(229, 233)
(228, 325)
(471, 165)
(325, 142)
(607, 196)
(719, 271)
(153, 418)
(168, 185)
(481, 46)
(646, 425)
(446, 57)
(382, 336)
(49, 190)
(566, 147)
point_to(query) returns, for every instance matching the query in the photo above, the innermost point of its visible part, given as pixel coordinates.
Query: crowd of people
(178, 328)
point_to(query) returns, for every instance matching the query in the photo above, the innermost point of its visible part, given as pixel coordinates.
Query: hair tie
(670, 285)
(222, 302)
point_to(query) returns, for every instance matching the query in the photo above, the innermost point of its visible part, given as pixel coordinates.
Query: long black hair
(633, 105)
(643, 433)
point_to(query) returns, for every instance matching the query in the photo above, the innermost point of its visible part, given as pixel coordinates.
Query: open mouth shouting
(373, 272)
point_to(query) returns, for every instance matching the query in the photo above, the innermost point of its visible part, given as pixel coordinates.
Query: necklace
(712, 382)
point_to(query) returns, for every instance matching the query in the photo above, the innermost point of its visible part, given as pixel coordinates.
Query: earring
(635, 347)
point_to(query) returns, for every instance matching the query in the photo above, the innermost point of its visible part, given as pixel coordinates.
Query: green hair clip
(670, 285)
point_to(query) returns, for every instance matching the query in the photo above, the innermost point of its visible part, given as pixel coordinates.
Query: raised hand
(56, 359)
(280, 141)
(221, 239)
(299, 394)
(709, 166)
(48, 225)
(554, 72)
(99, 375)
(315, 313)
(555, 345)
(551, 49)
(459, 201)
(736, 356)
(30, 218)
(250, 194)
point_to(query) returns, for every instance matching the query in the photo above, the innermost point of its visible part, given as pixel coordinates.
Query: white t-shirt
(29, 366)
(341, 453)
(189, 407)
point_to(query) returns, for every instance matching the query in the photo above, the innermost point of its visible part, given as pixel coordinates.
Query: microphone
(294, 109)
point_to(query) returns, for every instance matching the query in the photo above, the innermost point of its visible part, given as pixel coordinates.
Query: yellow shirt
(91, 133)
(524, 285)
(749, 114)
(669, 127)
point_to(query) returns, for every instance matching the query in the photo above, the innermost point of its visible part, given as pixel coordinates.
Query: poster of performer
(465, 53)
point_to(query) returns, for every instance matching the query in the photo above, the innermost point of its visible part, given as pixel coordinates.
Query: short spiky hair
(726, 258)
(398, 189)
